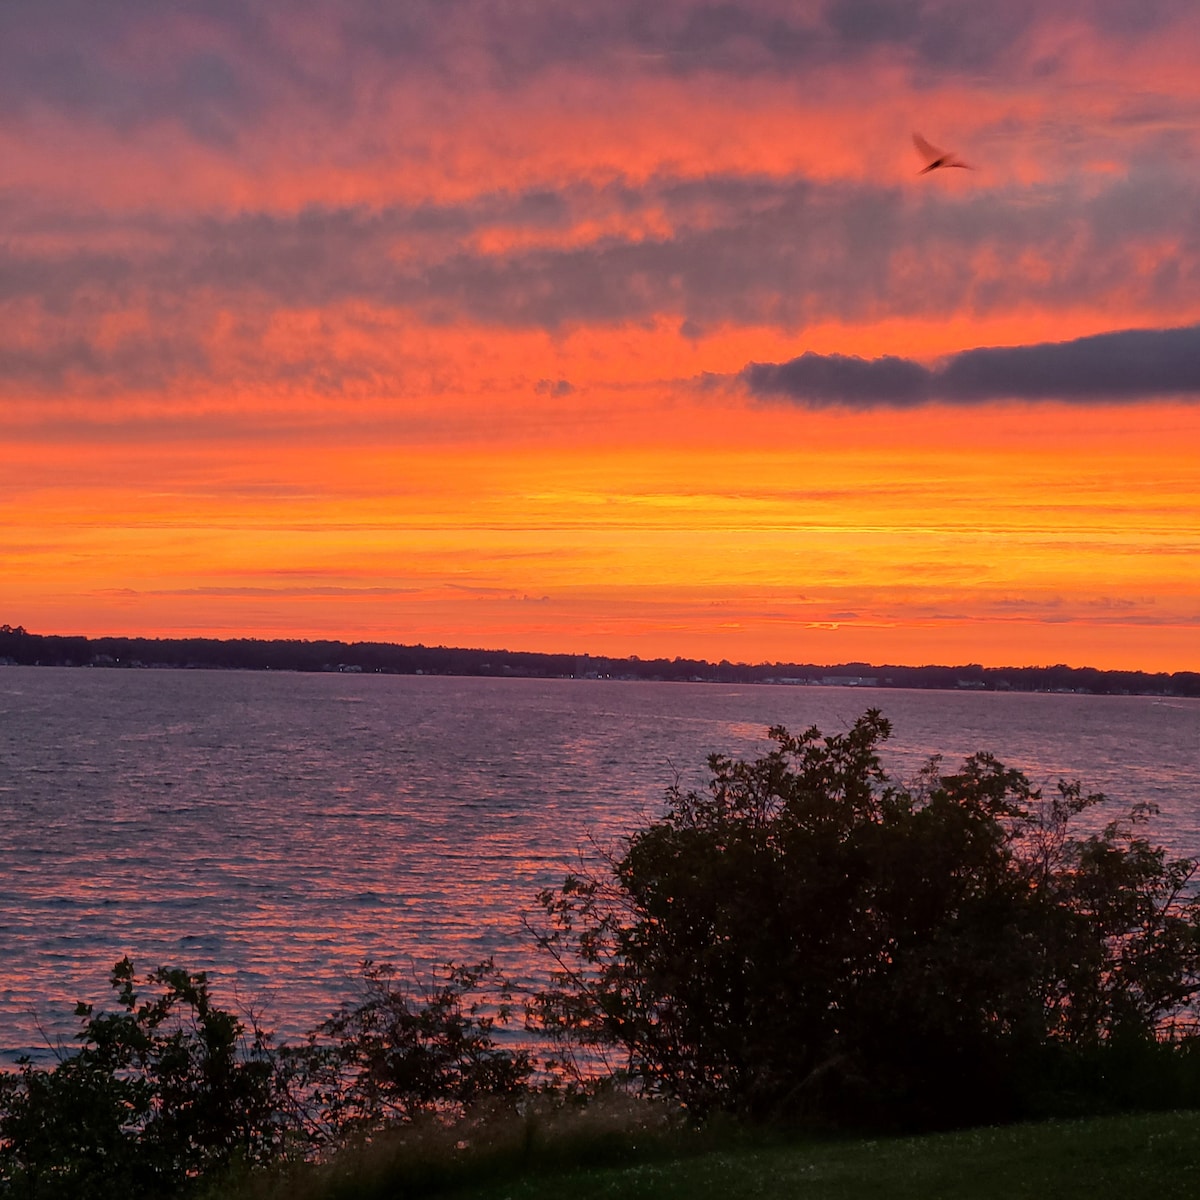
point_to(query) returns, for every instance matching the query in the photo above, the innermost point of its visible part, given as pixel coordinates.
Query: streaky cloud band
(1128, 366)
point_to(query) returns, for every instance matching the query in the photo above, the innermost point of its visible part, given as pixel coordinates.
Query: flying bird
(937, 158)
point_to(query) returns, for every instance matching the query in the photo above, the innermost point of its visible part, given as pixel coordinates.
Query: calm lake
(277, 829)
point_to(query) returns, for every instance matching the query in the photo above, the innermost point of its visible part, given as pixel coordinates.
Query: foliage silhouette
(398, 1055)
(806, 938)
(164, 1090)
(170, 1090)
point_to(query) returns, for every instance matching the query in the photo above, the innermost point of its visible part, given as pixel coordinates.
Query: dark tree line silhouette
(19, 646)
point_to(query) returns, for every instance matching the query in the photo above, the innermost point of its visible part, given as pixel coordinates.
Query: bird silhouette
(937, 158)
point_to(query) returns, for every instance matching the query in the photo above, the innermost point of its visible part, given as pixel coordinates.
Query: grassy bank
(1154, 1155)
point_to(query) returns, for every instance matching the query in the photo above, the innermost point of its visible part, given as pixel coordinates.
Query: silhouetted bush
(171, 1091)
(807, 938)
(159, 1093)
(396, 1055)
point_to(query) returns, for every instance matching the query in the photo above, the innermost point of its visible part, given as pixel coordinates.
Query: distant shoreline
(18, 647)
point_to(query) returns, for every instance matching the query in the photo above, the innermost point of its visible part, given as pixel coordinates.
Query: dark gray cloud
(135, 62)
(212, 65)
(140, 362)
(554, 387)
(1126, 367)
(829, 380)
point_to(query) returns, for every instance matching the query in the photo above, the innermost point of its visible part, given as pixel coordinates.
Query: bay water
(275, 830)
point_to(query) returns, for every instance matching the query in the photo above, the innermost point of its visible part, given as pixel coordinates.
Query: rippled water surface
(276, 829)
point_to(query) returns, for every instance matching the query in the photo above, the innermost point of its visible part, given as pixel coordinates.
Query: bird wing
(925, 148)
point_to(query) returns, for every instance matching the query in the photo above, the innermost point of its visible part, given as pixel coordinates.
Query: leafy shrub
(158, 1093)
(396, 1056)
(170, 1090)
(805, 937)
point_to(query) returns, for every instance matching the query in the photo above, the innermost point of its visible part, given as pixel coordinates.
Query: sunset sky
(606, 326)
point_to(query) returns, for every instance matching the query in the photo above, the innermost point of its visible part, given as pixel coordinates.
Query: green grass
(1155, 1156)
(1147, 1156)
